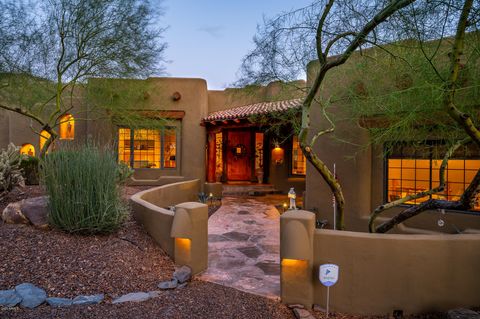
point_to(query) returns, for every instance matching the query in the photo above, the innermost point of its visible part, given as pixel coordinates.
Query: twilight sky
(208, 38)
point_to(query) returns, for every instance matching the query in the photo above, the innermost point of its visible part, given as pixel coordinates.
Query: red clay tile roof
(253, 109)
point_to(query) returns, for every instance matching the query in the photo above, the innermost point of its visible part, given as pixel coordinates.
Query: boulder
(36, 211)
(165, 285)
(59, 302)
(28, 211)
(133, 297)
(31, 295)
(88, 300)
(12, 214)
(9, 298)
(462, 313)
(183, 274)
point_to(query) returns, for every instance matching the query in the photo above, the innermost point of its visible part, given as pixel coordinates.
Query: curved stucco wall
(380, 273)
(150, 208)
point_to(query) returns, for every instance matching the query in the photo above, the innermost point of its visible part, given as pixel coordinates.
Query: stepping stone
(133, 297)
(256, 238)
(9, 298)
(243, 212)
(271, 269)
(250, 252)
(165, 285)
(214, 238)
(183, 274)
(271, 249)
(234, 235)
(31, 295)
(59, 302)
(88, 300)
(250, 222)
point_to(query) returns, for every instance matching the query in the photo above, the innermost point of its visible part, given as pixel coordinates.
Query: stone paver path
(243, 246)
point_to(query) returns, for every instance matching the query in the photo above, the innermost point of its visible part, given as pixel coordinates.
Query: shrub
(83, 190)
(10, 171)
(29, 168)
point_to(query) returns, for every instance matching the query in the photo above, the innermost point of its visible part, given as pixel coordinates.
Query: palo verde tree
(49, 48)
(332, 31)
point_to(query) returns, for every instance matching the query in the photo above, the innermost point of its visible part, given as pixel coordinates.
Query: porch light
(182, 232)
(183, 248)
(292, 196)
(278, 154)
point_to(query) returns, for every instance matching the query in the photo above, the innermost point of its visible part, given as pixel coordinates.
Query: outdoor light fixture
(182, 232)
(278, 154)
(183, 248)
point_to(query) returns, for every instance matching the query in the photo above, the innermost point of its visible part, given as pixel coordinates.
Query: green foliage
(10, 171)
(83, 190)
(30, 166)
(203, 198)
(123, 172)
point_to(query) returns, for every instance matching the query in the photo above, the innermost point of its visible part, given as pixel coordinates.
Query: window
(27, 149)
(258, 151)
(67, 127)
(219, 153)
(146, 148)
(44, 136)
(299, 162)
(411, 171)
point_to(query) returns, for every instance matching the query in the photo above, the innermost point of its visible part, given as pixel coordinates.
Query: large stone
(9, 298)
(183, 274)
(88, 300)
(59, 302)
(133, 297)
(36, 211)
(12, 214)
(31, 295)
(462, 313)
(302, 314)
(165, 285)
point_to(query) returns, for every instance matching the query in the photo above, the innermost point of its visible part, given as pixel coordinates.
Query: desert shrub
(10, 171)
(29, 166)
(83, 189)
(123, 172)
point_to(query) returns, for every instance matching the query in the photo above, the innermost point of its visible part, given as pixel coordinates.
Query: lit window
(44, 136)
(67, 127)
(219, 154)
(410, 172)
(258, 151)
(299, 162)
(27, 149)
(146, 148)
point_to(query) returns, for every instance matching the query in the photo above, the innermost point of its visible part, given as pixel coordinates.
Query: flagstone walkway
(244, 246)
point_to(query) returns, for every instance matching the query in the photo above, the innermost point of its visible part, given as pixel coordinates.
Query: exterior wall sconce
(297, 229)
(176, 96)
(190, 231)
(278, 154)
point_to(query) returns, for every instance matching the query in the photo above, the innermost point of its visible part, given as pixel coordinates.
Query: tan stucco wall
(380, 273)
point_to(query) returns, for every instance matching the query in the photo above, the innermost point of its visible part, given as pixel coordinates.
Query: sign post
(328, 275)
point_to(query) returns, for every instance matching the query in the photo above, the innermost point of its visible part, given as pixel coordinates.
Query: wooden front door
(239, 155)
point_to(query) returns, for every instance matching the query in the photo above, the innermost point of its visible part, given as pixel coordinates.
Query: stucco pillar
(297, 229)
(211, 158)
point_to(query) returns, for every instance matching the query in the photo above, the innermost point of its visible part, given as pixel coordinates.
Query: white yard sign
(328, 275)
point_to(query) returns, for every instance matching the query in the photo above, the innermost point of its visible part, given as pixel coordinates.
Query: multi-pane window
(148, 148)
(411, 171)
(299, 162)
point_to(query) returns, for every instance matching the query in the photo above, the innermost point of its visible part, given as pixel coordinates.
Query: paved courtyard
(243, 244)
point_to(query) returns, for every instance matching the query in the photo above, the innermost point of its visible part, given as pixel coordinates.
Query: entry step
(248, 189)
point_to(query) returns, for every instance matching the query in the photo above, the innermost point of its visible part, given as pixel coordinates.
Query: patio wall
(380, 273)
(182, 234)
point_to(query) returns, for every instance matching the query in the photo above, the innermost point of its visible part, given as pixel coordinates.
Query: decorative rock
(36, 211)
(318, 308)
(59, 302)
(185, 284)
(154, 294)
(462, 313)
(172, 284)
(88, 300)
(9, 298)
(133, 297)
(302, 314)
(183, 274)
(296, 305)
(31, 295)
(12, 214)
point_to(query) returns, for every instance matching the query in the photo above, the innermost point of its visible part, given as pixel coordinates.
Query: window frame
(431, 147)
(175, 126)
(291, 159)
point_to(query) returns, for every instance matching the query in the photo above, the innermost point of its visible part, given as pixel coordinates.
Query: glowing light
(27, 149)
(67, 127)
(44, 136)
(183, 248)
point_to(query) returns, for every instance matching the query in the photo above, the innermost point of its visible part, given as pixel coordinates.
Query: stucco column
(211, 158)
(297, 229)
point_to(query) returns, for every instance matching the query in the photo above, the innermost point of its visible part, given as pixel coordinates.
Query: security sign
(328, 274)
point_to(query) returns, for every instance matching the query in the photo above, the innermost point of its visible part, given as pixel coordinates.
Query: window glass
(258, 151)
(169, 148)
(67, 127)
(44, 136)
(299, 162)
(27, 149)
